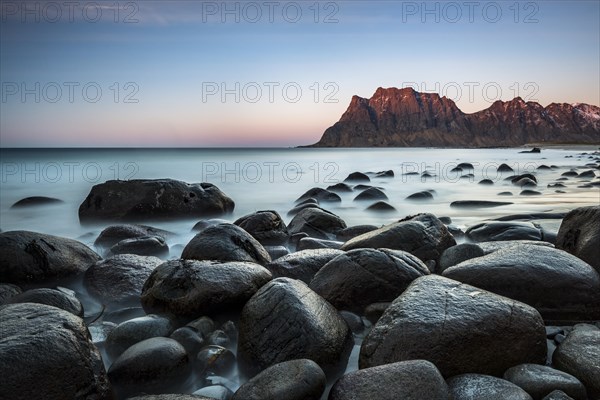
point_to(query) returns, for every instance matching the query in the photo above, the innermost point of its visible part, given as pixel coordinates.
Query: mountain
(404, 117)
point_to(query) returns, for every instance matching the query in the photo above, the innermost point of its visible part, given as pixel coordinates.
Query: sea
(274, 178)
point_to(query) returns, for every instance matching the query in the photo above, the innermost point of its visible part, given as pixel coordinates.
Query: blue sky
(198, 73)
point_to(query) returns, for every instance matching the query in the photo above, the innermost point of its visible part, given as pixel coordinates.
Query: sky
(272, 73)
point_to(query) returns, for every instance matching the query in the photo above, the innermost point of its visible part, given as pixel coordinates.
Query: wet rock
(558, 284)
(317, 223)
(385, 174)
(587, 174)
(143, 246)
(189, 288)
(579, 234)
(570, 173)
(277, 251)
(457, 254)
(285, 320)
(420, 196)
(321, 195)
(465, 165)
(558, 395)
(340, 188)
(476, 387)
(46, 352)
(422, 235)
(139, 199)
(504, 168)
(530, 193)
(458, 327)
(525, 182)
(217, 392)
(374, 311)
(265, 226)
(490, 247)
(156, 365)
(354, 321)
(8, 291)
(302, 265)
(357, 177)
(371, 194)
(299, 208)
(214, 360)
(115, 233)
(578, 355)
(204, 325)
(478, 204)
(486, 182)
(206, 223)
(353, 280)
(505, 194)
(291, 380)
(354, 231)
(51, 297)
(312, 243)
(540, 380)
(406, 380)
(516, 178)
(119, 279)
(225, 242)
(31, 257)
(130, 332)
(501, 230)
(219, 338)
(36, 201)
(381, 206)
(169, 397)
(189, 338)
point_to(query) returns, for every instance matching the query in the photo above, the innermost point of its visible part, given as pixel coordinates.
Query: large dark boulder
(225, 242)
(143, 246)
(355, 279)
(120, 278)
(290, 380)
(302, 265)
(500, 230)
(31, 257)
(579, 234)
(540, 380)
(133, 331)
(285, 320)
(422, 235)
(371, 193)
(8, 291)
(579, 355)
(320, 195)
(46, 352)
(458, 327)
(479, 387)
(156, 365)
(265, 226)
(51, 297)
(406, 380)
(317, 223)
(190, 289)
(141, 199)
(457, 254)
(558, 284)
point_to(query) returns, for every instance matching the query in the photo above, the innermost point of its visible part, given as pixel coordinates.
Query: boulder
(422, 235)
(505, 168)
(46, 352)
(579, 234)
(340, 188)
(558, 395)
(353, 280)
(478, 204)
(458, 327)
(265, 226)
(225, 242)
(406, 380)
(51, 297)
(36, 201)
(501, 230)
(133, 331)
(559, 285)
(540, 380)
(214, 360)
(31, 257)
(478, 387)
(140, 199)
(579, 355)
(189, 288)
(357, 177)
(321, 195)
(115, 233)
(290, 380)
(8, 291)
(354, 231)
(170, 397)
(143, 246)
(309, 243)
(372, 193)
(156, 365)
(381, 206)
(285, 320)
(486, 182)
(457, 254)
(317, 223)
(302, 265)
(420, 196)
(190, 339)
(119, 279)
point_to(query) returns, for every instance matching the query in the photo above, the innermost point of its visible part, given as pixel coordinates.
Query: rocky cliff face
(405, 117)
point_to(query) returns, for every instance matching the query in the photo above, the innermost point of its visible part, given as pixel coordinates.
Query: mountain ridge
(395, 117)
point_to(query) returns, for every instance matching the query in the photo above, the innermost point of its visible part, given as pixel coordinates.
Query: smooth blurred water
(260, 179)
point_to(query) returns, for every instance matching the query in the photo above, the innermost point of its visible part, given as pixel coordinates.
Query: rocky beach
(299, 303)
